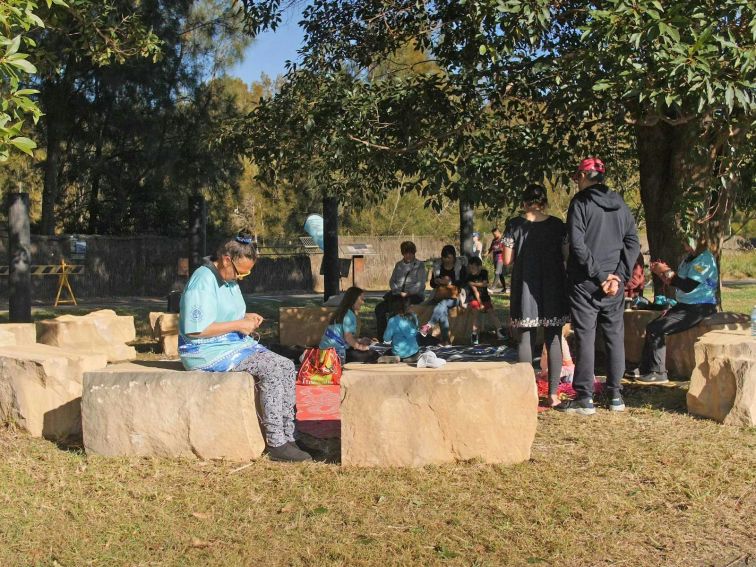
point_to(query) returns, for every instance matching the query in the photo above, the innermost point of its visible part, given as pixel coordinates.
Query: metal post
(331, 272)
(197, 231)
(19, 258)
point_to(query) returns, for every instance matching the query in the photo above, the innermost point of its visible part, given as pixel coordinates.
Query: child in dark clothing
(479, 298)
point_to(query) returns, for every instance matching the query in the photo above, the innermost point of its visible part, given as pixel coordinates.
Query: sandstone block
(302, 326)
(165, 329)
(723, 384)
(399, 415)
(101, 331)
(148, 409)
(635, 332)
(23, 334)
(40, 388)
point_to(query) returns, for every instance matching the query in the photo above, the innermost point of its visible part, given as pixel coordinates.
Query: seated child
(479, 299)
(340, 333)
(402, 330)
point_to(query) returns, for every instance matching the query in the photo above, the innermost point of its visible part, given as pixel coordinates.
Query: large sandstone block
(40, 388)
(17, 334)
(399, 415)
(101, 331)
(723, 384)
(303, 326)
(153, 409)
(460, 322)
(165, 329)
(680, 352)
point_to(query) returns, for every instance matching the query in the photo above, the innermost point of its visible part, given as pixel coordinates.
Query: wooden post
(19, 258)
(331, 272)
(197, 231)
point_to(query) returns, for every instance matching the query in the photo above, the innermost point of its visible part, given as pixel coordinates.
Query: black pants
(364, 356)
(383, 312)
(553, 340)
(589, 307)
(679, 318)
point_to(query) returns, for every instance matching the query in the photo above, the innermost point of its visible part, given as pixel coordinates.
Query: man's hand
(403, 294)
(611, 286)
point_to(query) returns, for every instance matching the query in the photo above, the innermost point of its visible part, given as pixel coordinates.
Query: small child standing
(479, 300)
(402, 330)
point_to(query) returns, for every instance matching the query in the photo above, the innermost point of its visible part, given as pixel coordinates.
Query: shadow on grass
(663, 397)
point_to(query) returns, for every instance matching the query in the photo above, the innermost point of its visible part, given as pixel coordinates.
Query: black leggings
(553, 340)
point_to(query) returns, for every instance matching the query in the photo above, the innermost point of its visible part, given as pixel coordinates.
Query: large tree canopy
(521, 90)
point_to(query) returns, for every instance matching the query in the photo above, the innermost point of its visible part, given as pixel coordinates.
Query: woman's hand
(446, 280)
(249, 325)
(659, 268)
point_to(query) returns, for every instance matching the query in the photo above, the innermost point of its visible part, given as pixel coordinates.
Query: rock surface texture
(303, 326)
(680, 352)
(12, 334)
(150, 409)
(723, 385)
(101, 331)
(460, 322)
(165, 329)
(399, 416)
(40, 388)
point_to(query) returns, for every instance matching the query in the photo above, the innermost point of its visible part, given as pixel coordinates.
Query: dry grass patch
(652, 486)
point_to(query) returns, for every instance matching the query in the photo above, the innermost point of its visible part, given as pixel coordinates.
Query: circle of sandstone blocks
(399, 415)
(156, 409)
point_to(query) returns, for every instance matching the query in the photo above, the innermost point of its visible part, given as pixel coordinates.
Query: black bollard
(197, 231)
(19, 258)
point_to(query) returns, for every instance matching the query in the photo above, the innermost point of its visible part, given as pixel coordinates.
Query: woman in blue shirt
(214, 336)
(696, 281)
(341, 333)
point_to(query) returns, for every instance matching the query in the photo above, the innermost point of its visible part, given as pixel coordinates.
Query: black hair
(400, 305)
(535, 194)
(347, 302)
(595, 176)
(475, 261)
(408, 246)
(449, 250)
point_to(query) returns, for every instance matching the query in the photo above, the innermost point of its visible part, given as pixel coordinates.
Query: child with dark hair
(340, 333)
(447, 277)
(402, 330)
(479, 300)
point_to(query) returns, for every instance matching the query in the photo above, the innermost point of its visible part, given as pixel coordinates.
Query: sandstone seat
(156, 409)
(101, 331)
(303, 326)
(723, 384)
(680, 352)
(165, 329)
(17, 334)
(399, 415)
(40, 388)
(460, 322)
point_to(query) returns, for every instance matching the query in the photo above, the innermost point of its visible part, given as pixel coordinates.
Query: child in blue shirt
(402, 331)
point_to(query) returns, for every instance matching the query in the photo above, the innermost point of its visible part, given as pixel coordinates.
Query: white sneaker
(429, 360)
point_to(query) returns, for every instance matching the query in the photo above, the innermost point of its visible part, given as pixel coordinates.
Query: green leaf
(13, 45)
(24, 144)
(729, 97)
(23, 64)
(482, 50)
(602, 86)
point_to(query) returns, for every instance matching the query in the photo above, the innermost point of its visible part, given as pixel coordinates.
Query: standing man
(603, 248)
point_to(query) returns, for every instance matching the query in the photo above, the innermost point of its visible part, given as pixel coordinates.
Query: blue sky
(269, 52)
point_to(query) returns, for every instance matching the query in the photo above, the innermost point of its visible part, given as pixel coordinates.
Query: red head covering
(590, 164)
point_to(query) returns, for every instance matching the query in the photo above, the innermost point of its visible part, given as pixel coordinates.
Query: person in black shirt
(479, 300)
(447, 278)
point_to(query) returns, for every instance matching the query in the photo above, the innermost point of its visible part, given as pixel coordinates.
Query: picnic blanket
(463, 353)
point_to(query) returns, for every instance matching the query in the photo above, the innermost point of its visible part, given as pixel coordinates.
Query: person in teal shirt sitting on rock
(402, 331)
(341, 333)
(696, 282)
(215, 335)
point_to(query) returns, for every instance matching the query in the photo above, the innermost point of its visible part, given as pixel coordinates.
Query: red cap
(592, 164)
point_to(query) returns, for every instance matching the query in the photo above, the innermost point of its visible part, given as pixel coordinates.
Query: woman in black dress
(537, 244)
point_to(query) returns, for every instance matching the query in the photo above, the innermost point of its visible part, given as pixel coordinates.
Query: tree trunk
(331, 272)
(50, 187)
(662, 150)
(466, 227)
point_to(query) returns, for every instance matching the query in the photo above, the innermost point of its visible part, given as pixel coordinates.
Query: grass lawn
(652, 486)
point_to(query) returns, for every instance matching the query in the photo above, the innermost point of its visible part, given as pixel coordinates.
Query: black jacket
(603, 236)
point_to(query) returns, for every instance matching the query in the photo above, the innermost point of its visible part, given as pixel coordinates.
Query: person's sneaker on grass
(501, 334)
(616, 403)
(580, 407)
(425, 329)
(632, 372)
(653, 378)
(288, 452)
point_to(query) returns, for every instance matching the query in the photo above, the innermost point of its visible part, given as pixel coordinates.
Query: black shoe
(474, 339)
(616, 403)
(653, 378)
(288, 452)
(632, 373)
(580, 407)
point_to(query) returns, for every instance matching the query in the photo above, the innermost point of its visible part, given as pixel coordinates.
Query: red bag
(320, 366)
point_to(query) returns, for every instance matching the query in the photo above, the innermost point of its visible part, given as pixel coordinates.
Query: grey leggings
(553, 340)
(275, 380)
